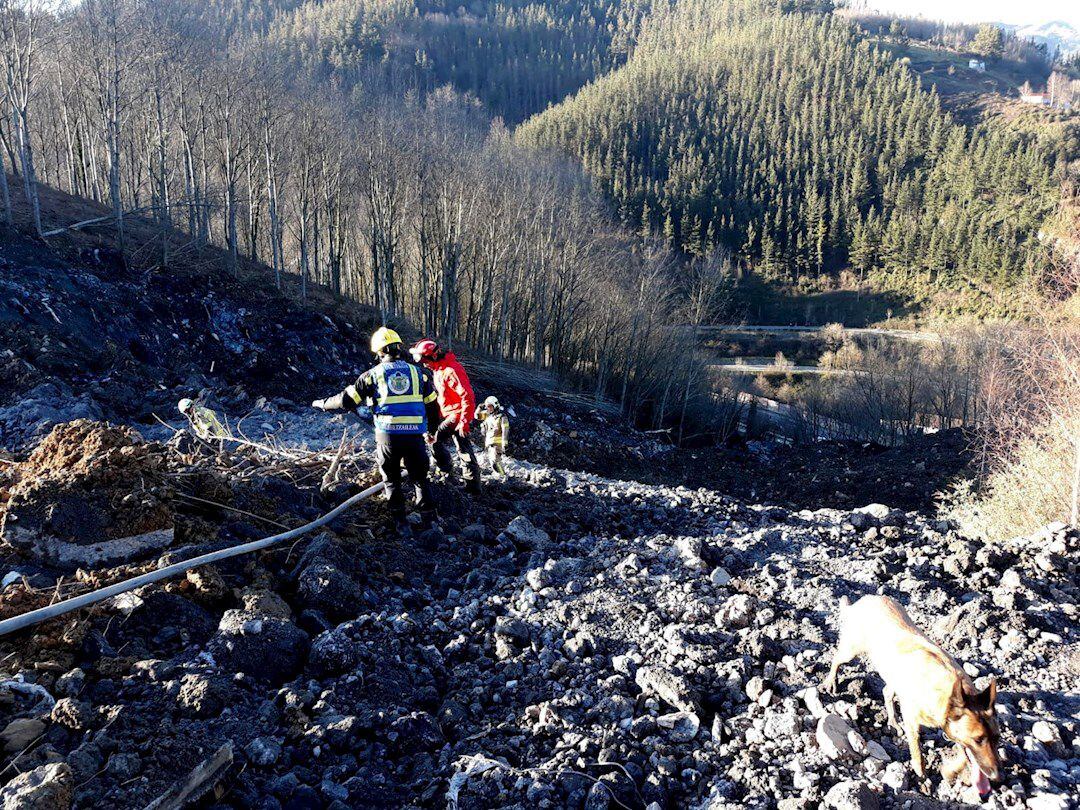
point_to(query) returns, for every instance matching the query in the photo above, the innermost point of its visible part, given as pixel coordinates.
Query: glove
(429, 438)
(462, 429)
(317, 404)
(444, 429)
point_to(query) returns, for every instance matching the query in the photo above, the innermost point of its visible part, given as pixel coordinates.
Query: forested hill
(784, 137)
(516, 56)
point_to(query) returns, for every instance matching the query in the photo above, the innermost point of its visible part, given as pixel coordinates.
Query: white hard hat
(184, 405)
(491, 402)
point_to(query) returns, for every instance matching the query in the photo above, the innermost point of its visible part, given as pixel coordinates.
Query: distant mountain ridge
(1058, 35)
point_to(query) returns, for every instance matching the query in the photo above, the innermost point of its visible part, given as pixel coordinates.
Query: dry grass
(1030, 435)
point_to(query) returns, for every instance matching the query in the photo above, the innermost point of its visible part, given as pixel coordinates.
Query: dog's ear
(958, 701)
(984, 700)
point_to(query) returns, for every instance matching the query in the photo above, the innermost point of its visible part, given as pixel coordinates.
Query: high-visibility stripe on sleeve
(353, 394)
(430, 398)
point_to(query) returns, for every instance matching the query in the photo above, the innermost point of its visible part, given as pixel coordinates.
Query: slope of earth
(568, 640)
(97, 339)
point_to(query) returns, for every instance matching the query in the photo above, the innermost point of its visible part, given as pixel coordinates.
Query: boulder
(326, 588)
(263, 647)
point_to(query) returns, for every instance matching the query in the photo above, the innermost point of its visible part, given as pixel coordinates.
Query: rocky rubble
(568, 640)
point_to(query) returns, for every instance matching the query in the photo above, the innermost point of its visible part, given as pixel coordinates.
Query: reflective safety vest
(496, 428)
(207, 425)
(399, 398)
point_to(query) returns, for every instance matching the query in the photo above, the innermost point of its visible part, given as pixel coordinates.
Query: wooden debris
(196, 784)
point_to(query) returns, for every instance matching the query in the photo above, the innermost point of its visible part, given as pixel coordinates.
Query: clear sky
(1018, 12)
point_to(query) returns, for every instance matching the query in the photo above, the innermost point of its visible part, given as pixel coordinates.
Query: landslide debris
(568, 640)
(90, 494)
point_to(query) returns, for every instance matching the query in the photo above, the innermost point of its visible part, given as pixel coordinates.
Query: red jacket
(456, 397)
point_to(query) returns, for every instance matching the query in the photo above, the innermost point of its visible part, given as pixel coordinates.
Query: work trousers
(470, 467)
(393, 449)
(495, 458)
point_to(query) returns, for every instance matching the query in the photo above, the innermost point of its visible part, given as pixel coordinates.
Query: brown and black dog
(933, 690)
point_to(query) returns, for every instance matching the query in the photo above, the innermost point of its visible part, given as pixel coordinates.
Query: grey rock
(333, 653)
(202, 695)
(20, 732)
(415, 732)
(512, 629)
(669, 687)
(896, 776)
(327, 589)
(852, 795)
(525, 535)
(74, 714)
(48, 787)
(755, 687)
(1046, 733)
(85, 761)
(682, 727)
(474, 533)
(782, 725)
(263, 647)
(832, 737)
(719, 577)
(737, 612)
(263, 751)
(877, 511)
(124, 765)
(71, 683)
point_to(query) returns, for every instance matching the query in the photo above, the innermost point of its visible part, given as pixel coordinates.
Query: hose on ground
(76, 602)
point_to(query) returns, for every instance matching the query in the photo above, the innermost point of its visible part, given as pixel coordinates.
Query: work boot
(429, 518)
(403, 529)
(472, 486)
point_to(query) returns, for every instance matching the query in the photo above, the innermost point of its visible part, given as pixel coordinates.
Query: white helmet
(491, 402)
(185, 405)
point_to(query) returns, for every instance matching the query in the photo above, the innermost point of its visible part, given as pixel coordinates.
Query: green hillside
(790, 140)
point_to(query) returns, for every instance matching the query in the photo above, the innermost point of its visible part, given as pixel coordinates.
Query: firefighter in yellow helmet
(402, 398)
(496, 428)
(203, 421)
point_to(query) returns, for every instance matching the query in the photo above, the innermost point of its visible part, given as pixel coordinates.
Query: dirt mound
(91, 493)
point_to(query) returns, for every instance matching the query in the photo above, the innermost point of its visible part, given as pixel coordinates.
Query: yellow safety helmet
(382, 338)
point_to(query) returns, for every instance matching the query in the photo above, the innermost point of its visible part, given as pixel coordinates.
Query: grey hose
(76, 602)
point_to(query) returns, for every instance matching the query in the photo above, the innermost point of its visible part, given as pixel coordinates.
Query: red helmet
(425, 349)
